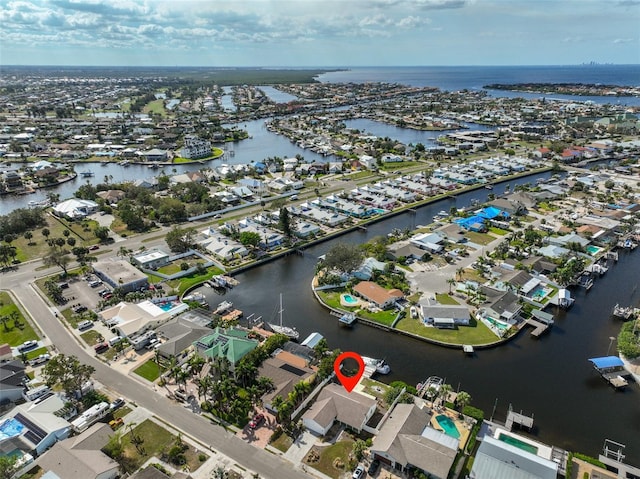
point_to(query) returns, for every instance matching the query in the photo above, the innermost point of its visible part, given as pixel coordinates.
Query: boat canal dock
(612, 370)
(539, 328)
(519, 419)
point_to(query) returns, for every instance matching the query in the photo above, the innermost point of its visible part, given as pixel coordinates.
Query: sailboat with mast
(292, 333)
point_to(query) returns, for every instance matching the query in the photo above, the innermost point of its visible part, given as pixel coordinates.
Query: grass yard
(332, 298)
(382, 317)
(156, 440)
(155, 106)
(445, 299)
(398, 165)
(121, 412)
(475, 334)
(36, 352)
(479, 238)
(149, 370)
(374, 388)
(91, 337)
(186, 282)
(339, 450)
(283, 443)
(9, 333)
(497, 231)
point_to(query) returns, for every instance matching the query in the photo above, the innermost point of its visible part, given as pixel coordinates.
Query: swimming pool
(593, 250)
(167, 306)
(525, 446)
(498, 324)
(10, 428)
(347, 298)
(449, 427)
(380, 211)
(539, 293)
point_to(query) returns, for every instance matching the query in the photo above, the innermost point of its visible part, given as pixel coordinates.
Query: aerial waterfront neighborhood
(130, 346)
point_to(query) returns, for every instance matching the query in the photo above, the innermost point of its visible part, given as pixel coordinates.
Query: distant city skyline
(308, 33)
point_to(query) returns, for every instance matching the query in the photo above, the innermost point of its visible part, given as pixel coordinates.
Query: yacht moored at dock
(347, 319)
(380, 366)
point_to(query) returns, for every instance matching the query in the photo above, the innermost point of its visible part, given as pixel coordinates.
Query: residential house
(366, 269)
(431, 242)
(498, 458)
(334, 403)
(81, 456)
(33, 427)
(376, 294)
(129, 319)
(502, 305)
(111, 196)
(153, 155)
(12, 375)
(180, 332)
(75, 208)
(195, 148)
(444, 315)
(406, 441)
(285, 370)
(232, 344)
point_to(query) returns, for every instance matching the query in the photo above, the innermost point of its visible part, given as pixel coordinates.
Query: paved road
(266, 464)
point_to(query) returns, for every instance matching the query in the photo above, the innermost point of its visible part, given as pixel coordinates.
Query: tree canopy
(67, 371)
(343, 257)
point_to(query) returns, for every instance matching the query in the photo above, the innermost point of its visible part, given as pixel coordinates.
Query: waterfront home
(257, 187)
(366, 269)
(221, 246)
(153, 155)
(446, 316)
(120, 274)
(402, 249)
(567, 239)
(180, 332)
(431, 242)
(369, 197)
(75, 208)
(392, 190)
(285, 370)
(344, 206)
(511, 205)
(376, 294)
(269, 238)
(406, 441)
(151, 259)
(232, 344)
(553, 252)
(195, 148)
(81, 456)
(111, 197)
(335, 404)
(132, 319)
(506, 454)
(503, 305)
(327, 218)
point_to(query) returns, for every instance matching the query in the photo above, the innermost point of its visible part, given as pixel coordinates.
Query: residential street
(267, 465)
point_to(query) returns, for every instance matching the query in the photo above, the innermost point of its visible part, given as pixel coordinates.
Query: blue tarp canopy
(607, 362)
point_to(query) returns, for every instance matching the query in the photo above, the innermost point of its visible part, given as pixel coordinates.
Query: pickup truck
(116, 423)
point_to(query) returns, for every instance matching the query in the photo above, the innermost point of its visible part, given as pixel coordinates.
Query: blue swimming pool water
(166, 306)
(349, 299)
(10, 428)
(380, 211)
(449, 427)
(497, 324)
(592, 249)
(539, 293)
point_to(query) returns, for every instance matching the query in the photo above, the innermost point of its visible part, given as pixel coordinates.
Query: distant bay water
(475, 77)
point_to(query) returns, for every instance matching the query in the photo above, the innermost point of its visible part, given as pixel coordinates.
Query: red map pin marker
(349, 382)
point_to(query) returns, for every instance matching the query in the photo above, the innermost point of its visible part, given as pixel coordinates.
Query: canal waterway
(549, 378)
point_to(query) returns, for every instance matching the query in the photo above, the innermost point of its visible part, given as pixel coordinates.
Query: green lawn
(475, 334)
(36, 352)
(155, 441)
(329, 454)
(91, 337)
(332, 298)
(149, 370)
(445, 299)
(8, 332)
(382, 317)
(497, 231)
(374, 388)
(398, 165)
(155, 106)
(479, 238)
(283, 443)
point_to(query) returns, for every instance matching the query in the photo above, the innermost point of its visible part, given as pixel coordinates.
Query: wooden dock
(519, 419)
(538, 328)
(615, 379)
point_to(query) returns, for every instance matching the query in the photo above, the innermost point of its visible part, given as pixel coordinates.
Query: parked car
(373, 467)
(256, 421)
(27, 345)
(116, 404)
(94, 247)
(101, 347)
(358, 473)
(116, 423)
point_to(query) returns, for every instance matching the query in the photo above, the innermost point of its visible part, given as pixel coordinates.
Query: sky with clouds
(319, 32)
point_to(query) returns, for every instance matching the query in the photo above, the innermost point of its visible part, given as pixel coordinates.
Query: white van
(115, 340)
(85, 325)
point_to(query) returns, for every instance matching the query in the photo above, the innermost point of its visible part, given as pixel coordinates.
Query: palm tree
(196, 363)
(443, 392)
(451, 282)
(459, 273)
(204, 386)
(463, 399)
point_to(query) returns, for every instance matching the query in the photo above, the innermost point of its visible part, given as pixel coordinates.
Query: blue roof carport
(607, 362)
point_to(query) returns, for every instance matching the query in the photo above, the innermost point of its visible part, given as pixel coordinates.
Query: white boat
(223, 307)
(347, 319)
(381, 366)
(467, 348)
(488, 187)
(430, 387)
(292, 333)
